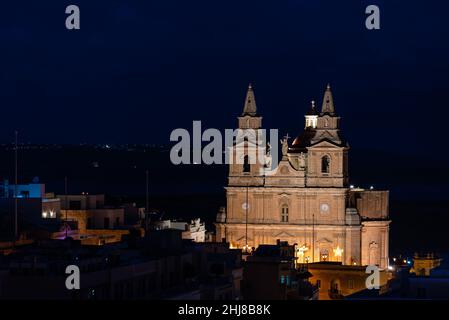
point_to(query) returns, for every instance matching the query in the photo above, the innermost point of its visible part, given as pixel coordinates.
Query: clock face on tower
(324, 207)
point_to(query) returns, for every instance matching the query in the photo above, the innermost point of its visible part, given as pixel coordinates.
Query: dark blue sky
(138, 69)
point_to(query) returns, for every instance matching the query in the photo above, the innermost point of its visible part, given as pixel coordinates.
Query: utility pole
(147, 192)
(147, 201)
(65, 205)
(313, 237)
(16, 229)
(246, 219)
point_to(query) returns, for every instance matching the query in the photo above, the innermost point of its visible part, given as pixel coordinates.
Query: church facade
(306, 199)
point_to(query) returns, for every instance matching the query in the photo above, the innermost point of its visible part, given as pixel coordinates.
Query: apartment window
(75, 205)
(421, 293)
(106, 223)
(284, 213)
(117, 221)
(24, 194)
(118, 290)
(282, 279)
(129, 289)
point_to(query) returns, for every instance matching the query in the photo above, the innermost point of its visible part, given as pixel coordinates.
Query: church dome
(302, 141)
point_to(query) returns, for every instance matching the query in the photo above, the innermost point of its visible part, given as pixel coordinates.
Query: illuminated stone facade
(306, 199)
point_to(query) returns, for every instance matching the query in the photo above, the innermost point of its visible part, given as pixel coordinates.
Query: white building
(195, 230)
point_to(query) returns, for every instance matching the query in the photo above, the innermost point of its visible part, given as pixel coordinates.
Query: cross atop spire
(250, 103)
(328, 101)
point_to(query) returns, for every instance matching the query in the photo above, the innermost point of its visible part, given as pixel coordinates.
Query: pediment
(326, 143)
(284, 194)
(284, 169)
(243, 238)
(283, 234)
(324, 240)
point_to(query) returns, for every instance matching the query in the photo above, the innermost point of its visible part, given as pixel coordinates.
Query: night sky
(139, 69)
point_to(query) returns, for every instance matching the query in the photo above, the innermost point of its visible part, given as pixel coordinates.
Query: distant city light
(351, 186)
(390, 268)
(371, 188)
(48, 214)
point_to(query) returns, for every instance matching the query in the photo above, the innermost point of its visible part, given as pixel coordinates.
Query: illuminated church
(306, 200)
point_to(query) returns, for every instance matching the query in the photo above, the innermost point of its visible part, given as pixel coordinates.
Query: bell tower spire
(328, 102)
(250, 107)
(249, 118)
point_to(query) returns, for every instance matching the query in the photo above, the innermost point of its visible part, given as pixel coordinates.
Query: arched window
(284, 213)
(325, 164)
(246, 165)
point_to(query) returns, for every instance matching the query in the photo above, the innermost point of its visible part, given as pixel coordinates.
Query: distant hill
(418, 186)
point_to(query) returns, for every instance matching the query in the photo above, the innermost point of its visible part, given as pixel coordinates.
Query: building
(423, 264)
(306, 199)
(428, 279)
(195, 230)
(134, 215)
(160, 265)
(114, 271)
(42, 215)
(90, 212)
(36, 210)
(337, 281)
(220, 270)
(271, 273)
